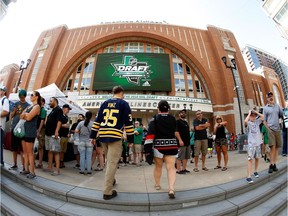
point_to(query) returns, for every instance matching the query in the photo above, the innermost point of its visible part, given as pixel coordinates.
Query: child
(254, 142)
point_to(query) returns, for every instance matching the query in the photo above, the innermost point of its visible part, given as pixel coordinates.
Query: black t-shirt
(200, 134)
(52, 120)
(220, 133)
(73, 127)
(182, 127)
(63, 132)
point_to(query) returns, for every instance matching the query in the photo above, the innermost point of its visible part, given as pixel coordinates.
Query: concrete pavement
(140, 179)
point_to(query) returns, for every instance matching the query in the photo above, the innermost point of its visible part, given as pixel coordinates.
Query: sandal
(55, 173)
(224, 168)
(39, 166)
(195, 170)
(205, 169)
(157, 187)
(218, 167)
(171, 194)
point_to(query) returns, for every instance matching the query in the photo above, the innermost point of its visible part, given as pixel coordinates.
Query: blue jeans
(85, 149)
(2, 145)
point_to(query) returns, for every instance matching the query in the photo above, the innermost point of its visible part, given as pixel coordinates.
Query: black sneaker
(275, 169)
(186, 171)
(31, 176)
(256, 174)
(249, 180)
(14, 167)
(108, 197)
(271, 168)
(181, 172)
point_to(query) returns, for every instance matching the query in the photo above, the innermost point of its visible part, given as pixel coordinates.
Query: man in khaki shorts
(201, 140)
(272, 112)
(63, 133)
(137, 145)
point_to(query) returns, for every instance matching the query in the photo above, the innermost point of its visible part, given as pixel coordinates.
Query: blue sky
(26, 19)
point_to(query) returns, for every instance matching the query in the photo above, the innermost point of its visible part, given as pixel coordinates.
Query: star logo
(132, 70)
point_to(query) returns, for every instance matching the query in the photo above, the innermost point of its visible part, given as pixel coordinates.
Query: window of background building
(158, 49)
(133, 47)
(179, 85)
(109, 49)
(283, 13)
(148, 48)
(118, 48)
(178, 68)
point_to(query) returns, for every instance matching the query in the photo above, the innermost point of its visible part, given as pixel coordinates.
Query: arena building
(152, 61)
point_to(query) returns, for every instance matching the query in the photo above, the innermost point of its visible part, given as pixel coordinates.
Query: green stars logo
(135, 72)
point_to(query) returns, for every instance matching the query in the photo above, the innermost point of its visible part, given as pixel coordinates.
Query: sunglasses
(32, 95)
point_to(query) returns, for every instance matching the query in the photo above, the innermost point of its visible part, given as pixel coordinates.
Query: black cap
(269, 94)
(163, 106)
(66, 106)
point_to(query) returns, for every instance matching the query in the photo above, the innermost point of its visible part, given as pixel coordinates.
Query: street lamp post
(191, 106)
(233, 67)
(23, 66)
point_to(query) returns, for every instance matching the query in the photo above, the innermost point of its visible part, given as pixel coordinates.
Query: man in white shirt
(4, 111)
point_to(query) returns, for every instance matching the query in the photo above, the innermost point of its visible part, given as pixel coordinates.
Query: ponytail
(88, 116)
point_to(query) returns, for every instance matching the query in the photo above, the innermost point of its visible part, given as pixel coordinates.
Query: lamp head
(233, 61)
(191, 105)
(224, 59)
(28, 62)
(21, 64)
(184, 105)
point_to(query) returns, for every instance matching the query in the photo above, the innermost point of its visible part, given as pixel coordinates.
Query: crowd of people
(113, 139)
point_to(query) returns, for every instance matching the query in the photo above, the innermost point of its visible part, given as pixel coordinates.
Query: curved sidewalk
(140, 179)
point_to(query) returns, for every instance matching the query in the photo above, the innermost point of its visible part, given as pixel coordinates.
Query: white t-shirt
(254, 134)
(4, 107)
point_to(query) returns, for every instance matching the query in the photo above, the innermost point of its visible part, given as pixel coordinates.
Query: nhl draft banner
(133, 71)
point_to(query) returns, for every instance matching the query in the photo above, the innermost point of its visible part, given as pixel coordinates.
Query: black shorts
(29, 139)
(15, 142)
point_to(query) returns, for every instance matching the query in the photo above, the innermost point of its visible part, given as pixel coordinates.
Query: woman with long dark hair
(82, 139)
(162, 144)
(221, 142)
(31, 116)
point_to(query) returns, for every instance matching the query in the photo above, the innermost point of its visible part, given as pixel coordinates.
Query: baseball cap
(163, 105)
(22, 92)
(3, 88)
(269, 94)
(66, 106)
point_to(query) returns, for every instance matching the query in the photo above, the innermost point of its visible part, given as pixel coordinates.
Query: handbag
(36, 146)
(19, 130)
(71, 138)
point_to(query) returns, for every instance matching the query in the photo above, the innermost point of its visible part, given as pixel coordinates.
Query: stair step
(253, 198)
(31, 198)
(284, 212)
(52, 198)
(10, 206)
(271, 206)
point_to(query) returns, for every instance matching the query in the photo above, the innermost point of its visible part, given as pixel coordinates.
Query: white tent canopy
(53, 91)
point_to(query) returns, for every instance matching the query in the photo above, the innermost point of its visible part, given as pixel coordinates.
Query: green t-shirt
(265, 134)
(192, 133)
(138, 138)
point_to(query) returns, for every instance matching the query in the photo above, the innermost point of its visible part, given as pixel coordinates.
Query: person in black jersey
(221, 142)
(161, 140)
(113, 117)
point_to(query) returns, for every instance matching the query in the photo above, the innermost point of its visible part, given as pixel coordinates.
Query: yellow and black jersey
(113, 118)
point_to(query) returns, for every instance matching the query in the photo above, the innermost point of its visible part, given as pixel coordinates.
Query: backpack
(11, 106)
